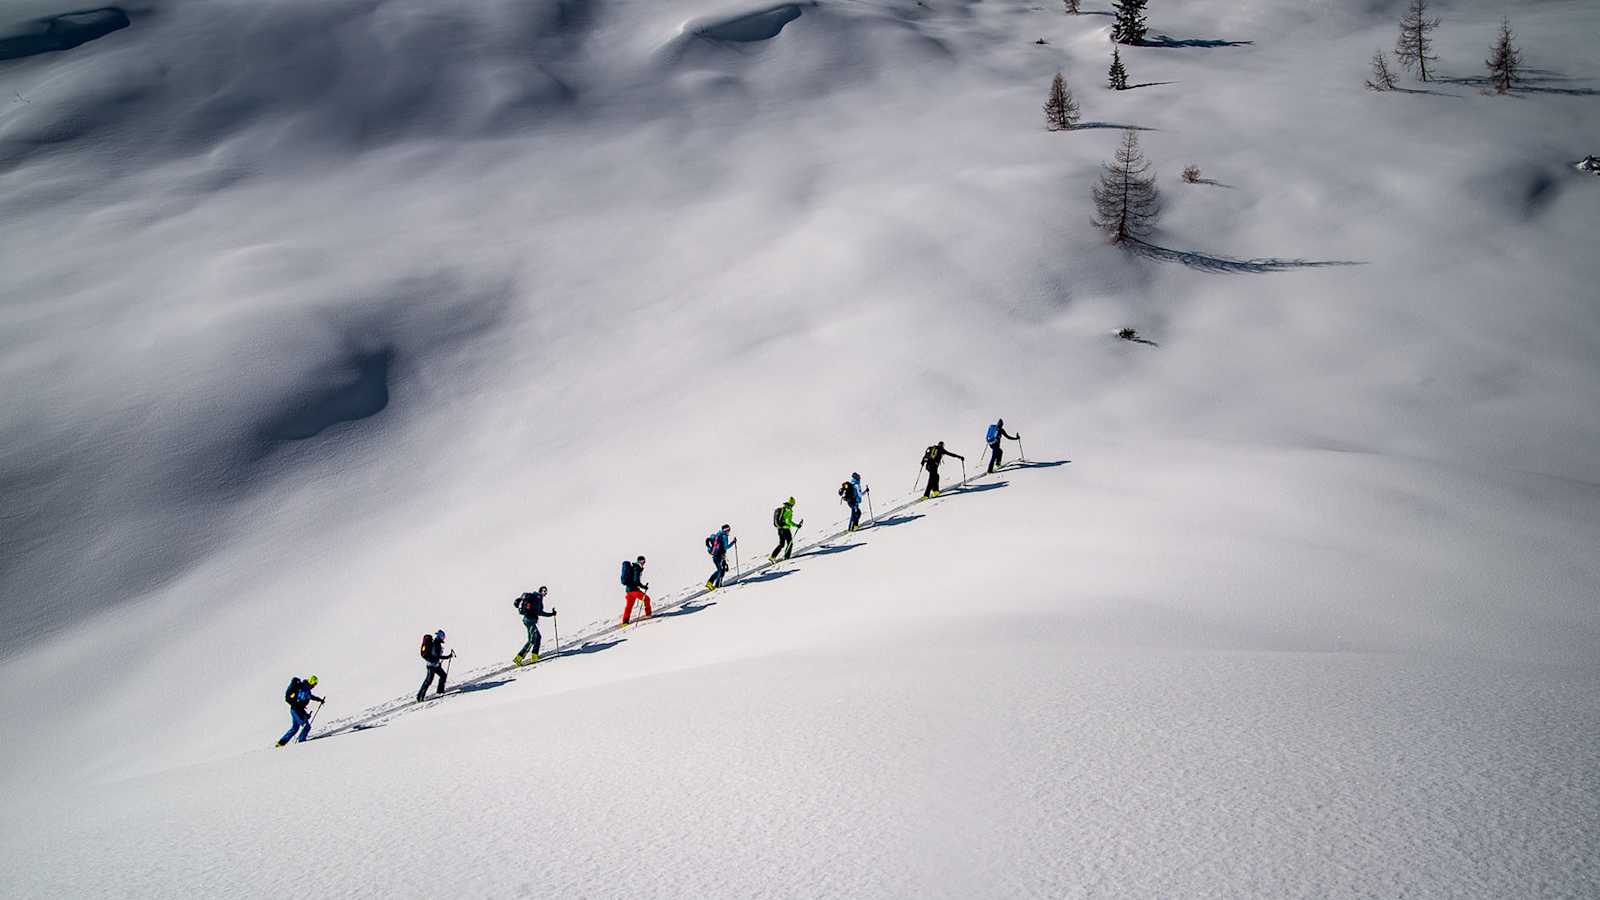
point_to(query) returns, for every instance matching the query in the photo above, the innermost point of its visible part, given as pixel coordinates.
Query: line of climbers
(531, 604)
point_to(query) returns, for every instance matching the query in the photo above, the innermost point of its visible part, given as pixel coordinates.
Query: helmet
(941, 445)
(439, 635)
(789, 502)
(727, 527)
(640, 560)
(1000, 421)
(855, 476)
(312, 680)
(543, 590)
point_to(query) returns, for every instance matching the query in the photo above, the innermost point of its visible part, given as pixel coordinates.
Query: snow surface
(325, 324)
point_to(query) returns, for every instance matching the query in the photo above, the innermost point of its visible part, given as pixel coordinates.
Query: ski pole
(874, 519)
(1022, 455)
(313, 716)
(555, 625)
(738, 567)
(963, 471)
(919, 479)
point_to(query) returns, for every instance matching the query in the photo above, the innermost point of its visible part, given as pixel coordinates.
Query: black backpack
(777, 517)
(427, 647)
(627, 572)
(931, 457)
(289, 694)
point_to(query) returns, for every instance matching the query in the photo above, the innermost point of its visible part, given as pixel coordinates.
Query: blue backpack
(993, 435)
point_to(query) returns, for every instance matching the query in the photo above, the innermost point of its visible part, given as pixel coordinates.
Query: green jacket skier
(783, 520)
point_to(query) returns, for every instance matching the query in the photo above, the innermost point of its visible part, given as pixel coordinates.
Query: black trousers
(433, 669)
(933, 483)
(855, 516)
(785, 543)
(996, 454)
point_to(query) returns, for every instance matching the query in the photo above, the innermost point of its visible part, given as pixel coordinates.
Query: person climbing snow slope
(930, 461)
(531, 605)
(298, 695)
(992, 438)
(634, 588)
(851, 495)
(783, 520)
(718, 543)
(433, 654)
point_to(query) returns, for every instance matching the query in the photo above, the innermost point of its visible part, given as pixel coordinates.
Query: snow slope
(330, 323)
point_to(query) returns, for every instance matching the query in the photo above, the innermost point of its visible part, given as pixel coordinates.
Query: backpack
(523, 604)
(993, 436)
(711, 544)
(929, 457)
(627, 569)
(777, 517)
(289, 694)
(847, 493)
(427, 646)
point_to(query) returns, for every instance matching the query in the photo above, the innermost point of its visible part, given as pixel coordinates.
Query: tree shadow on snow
(1532, 81)
(1149, 84)
(1085, 126)
(687, 610)
(1165, 42)
(901, 519)
(1227, 265)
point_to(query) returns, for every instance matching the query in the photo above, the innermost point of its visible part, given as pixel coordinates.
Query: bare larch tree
(1125, 201)
(1412, 45)
(1060, 110)
(1118, 76)
(1382, 76)
(1505, 61)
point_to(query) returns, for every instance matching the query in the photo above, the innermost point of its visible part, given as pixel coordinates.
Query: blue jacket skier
(992, 438)
(433, 654)
(298, 695)
(851, 495)
(718, 544)
(532, 608)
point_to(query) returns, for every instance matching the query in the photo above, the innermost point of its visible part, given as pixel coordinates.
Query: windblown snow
(328, 323)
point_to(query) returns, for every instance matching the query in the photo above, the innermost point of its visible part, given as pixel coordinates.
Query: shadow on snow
(1227, 265)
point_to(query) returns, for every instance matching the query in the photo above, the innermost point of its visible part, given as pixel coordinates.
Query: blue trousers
(721, 562)
(301, 723)
(855, 516)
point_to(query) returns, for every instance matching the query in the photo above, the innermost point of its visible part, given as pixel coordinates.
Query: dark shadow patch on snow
(1085, 126)
(1214, 183)
(901, 519)
(1227, 265)
(1164, 42)
(591, 647)
(356, 388)
(1039, 464)
(977, 488)
(1149, 84)
(686, 610)
(830, 550)
(64, 32)
(763, 25)
(475, 686)
(769, 575)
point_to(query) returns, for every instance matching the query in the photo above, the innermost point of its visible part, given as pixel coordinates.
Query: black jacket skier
(531, 606)
(433, 654)
(930, 461)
